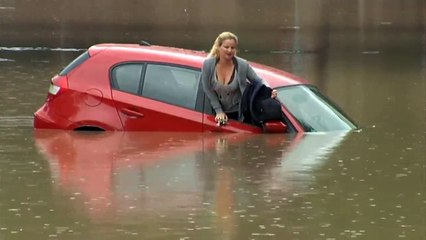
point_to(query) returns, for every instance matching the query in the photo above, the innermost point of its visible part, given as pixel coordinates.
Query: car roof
(186, 57)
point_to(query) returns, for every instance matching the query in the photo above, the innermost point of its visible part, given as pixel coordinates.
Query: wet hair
(214, 52)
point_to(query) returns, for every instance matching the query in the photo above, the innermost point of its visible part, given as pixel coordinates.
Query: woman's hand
(221, 118)
(274, 93)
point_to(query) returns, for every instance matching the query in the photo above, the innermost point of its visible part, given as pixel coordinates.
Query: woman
(224, 77)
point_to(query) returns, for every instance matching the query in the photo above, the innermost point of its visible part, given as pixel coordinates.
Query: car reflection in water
(134, 176)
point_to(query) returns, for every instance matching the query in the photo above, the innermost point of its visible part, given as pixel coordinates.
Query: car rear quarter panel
(91, 94)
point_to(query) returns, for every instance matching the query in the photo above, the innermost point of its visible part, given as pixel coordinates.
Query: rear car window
(171, 84)
(75, 63)
(127, 77)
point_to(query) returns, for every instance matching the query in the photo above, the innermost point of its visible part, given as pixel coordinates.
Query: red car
(131, 87)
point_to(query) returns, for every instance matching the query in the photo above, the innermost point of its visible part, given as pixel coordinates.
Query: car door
(233, 126)
(156, 97)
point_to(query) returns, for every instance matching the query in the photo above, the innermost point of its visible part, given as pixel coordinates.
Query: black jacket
(257, 106)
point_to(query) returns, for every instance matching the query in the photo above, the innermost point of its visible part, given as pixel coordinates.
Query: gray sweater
(244, 72)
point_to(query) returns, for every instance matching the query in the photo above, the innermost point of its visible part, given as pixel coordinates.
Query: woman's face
(228, 49)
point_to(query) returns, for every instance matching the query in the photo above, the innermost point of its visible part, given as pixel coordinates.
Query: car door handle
(132, 113)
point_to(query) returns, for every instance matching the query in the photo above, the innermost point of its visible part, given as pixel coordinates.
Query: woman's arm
(253, 77)
(208, 88)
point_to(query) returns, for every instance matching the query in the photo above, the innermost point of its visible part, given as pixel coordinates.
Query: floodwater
(115, 185)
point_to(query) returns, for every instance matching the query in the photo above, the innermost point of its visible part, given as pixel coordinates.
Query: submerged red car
(142, 87)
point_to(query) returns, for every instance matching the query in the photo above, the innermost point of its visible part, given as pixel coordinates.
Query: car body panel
(144, 114)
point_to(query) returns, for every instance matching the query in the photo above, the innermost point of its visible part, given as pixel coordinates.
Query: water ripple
(16, 121)
(6, 60)
(21, 49)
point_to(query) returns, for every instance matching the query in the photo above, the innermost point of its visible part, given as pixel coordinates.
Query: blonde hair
(214, 52)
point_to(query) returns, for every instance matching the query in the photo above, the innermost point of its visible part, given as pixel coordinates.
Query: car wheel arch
(89, 129)
(91, 126)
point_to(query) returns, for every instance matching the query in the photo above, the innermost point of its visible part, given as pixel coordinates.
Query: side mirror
(274, 127)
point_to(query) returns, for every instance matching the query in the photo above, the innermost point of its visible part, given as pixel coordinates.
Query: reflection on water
(212, 180)
(210, 186)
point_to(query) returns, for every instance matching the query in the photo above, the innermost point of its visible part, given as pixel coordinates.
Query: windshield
(313, 110)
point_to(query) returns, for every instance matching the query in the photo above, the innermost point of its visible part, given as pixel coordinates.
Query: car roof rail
(144, 43)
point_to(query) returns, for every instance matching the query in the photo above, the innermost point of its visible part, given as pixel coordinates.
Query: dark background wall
(77, 23)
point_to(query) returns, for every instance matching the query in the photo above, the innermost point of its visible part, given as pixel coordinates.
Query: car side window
(171, 84)
(127, 77)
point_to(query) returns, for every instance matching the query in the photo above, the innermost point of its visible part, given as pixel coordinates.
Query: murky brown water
(369, 57)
